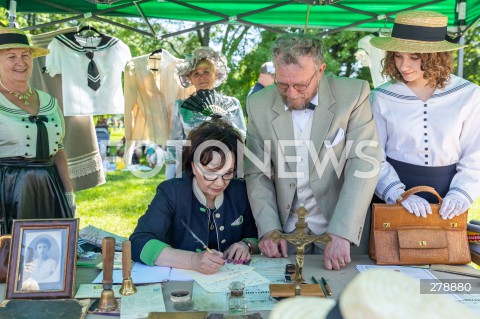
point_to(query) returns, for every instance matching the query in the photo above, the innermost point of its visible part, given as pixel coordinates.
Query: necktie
(311, 106)
(93, 76)
(43, 151)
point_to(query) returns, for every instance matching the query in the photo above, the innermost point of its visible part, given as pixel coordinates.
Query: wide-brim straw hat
(12, 38)
(375, 294)
(219, 61)
(417, 32)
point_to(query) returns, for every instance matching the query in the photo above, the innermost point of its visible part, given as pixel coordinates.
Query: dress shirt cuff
(151, 251)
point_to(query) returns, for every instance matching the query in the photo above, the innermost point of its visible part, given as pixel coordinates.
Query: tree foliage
(246, 48)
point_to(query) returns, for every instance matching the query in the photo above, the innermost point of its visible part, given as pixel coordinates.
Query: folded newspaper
(94, 236)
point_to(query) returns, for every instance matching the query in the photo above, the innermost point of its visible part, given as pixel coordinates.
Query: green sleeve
(151, 250)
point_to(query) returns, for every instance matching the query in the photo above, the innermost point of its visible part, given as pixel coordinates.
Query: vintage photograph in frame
(42, 259)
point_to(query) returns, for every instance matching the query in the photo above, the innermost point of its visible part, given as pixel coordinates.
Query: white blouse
(18, 135)
(439, 132)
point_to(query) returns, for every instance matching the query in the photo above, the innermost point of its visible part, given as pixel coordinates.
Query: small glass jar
(237, 302)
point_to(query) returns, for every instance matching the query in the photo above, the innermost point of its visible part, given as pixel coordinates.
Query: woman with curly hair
(426, 118)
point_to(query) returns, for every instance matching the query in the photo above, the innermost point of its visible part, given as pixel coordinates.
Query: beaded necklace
(23, 97)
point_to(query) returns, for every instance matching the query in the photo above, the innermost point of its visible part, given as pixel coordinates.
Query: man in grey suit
(312, 142)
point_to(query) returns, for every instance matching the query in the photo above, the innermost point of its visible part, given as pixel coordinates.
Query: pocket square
(238, 221)
(338, 138)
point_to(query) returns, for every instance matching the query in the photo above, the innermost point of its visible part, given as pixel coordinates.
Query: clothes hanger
(88, 28)
(152, 55)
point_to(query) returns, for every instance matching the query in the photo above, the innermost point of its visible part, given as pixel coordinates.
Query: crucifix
(300, 238)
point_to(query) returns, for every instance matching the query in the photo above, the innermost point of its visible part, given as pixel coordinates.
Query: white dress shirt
(438, 132)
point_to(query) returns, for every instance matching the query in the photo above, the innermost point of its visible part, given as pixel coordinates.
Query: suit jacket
(344, 198)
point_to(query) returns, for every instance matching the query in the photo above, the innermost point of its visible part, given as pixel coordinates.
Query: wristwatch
(251, 250)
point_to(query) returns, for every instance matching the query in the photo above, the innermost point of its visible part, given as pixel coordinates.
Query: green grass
(116, 205)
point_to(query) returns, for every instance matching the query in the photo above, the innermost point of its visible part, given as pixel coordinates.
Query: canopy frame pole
(460, 15)
(12, 14)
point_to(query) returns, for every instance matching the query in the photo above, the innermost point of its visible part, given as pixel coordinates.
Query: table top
(313, 266)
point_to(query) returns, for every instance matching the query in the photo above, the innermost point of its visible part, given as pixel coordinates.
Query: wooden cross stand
(300, 238)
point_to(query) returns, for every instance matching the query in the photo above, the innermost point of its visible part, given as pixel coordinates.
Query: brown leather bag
(5, 242)
(400, 238)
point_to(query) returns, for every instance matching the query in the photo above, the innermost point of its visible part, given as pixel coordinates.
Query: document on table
(141, 274)
(147, 299)
(220, 281)
(258, 298)
(271, 268)
(417, 273)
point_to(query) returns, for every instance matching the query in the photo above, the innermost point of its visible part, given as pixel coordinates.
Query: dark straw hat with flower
(418, 32)
(11, 38)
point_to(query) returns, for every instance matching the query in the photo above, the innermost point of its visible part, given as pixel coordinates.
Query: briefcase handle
(418, 189)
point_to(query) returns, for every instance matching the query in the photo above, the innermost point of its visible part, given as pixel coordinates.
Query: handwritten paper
(220, 281)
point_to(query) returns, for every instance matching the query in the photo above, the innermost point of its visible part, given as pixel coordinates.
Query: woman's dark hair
(220, 134)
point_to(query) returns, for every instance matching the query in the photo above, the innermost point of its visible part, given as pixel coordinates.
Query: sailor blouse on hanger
(439, 132)
(68, 56)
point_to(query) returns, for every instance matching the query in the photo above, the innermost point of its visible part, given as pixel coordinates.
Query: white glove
(414, 204)
(453, 205)
(70, 196)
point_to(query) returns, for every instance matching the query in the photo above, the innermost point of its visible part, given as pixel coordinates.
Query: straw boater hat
(417, 32)
(218, 59)
(375, 294)
(11, 38)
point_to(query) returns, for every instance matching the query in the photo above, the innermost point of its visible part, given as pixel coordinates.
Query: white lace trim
(84, 165)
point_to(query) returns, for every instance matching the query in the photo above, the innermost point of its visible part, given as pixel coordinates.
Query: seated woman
(208, 199)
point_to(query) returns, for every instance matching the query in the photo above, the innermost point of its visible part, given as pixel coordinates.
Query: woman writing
(205, 69)
(427, 118)
(208, 200)
(34, 181)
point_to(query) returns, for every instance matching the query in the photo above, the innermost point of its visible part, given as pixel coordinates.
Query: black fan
(206, 102)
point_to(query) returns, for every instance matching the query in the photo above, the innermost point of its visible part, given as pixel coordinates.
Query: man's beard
(294, 106)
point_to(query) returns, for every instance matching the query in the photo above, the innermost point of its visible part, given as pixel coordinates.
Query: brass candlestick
(107, 298)
(127, 285)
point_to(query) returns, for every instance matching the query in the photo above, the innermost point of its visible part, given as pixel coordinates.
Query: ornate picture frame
(43, 259)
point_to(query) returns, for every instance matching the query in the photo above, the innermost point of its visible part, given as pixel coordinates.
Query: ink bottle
(237, 302)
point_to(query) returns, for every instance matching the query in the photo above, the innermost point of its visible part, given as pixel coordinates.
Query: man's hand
(337, 253)
(270, 246)
(207, 263)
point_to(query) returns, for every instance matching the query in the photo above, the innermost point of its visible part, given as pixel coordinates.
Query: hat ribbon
(420, 33)
(13, 38)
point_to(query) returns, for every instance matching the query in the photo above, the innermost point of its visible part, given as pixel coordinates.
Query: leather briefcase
(400, 238)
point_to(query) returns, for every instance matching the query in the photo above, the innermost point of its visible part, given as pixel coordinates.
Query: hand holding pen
(207, 262)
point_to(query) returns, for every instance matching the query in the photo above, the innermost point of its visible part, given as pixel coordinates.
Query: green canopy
(329, 15)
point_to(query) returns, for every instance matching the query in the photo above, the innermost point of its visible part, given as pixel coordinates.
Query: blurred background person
(266, 77)
(33, 167)
(205, 69)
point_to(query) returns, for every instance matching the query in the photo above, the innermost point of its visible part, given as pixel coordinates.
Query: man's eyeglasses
(211, 177)
(298, 87)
